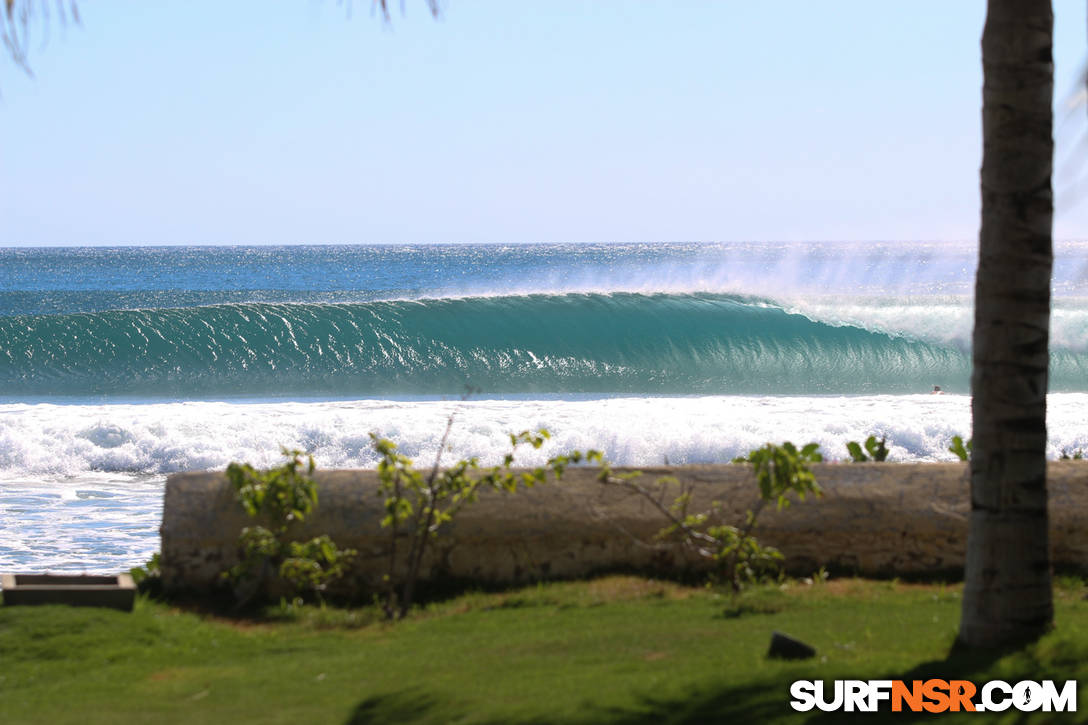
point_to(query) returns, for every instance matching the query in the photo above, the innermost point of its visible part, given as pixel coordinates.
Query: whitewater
(119, 366)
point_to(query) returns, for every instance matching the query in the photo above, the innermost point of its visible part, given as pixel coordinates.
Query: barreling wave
(571, 343)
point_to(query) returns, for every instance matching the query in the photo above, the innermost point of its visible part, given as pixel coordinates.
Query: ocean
(119, 366)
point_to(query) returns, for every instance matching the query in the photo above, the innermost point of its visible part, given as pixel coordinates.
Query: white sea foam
(81, 485)
(61, 441)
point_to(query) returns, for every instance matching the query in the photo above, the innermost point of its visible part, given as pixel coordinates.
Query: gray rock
(785, 647)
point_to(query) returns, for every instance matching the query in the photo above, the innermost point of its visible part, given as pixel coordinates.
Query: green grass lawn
(618, 649)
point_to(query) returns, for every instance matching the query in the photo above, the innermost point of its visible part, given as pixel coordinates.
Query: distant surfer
(937, 390)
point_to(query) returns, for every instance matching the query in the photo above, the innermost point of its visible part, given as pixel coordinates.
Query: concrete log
(873, 519)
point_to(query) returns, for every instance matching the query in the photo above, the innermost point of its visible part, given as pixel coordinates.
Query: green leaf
(961, 450)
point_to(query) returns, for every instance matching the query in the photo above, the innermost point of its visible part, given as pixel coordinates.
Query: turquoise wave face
(573, 343)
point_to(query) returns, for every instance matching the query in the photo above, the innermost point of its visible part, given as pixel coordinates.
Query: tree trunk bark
(1007, 592)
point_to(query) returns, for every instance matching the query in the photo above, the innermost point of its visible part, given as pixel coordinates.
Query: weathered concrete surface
(902, 519)
(115, 592)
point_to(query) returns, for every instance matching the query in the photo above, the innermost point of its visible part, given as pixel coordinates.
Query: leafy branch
(779, 470)
(961, 449)
(877, 450)
(281, 498)
(417, 506)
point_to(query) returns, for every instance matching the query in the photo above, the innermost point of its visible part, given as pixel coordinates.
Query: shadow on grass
(759, 703)
(753, 704)
(768, 701)
(220, 602)
(762, 702)
(406, 706)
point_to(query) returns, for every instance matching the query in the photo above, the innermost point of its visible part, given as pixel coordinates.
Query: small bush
(780, 470)
(877, 450)
(417, 506)
(280, 498)
(961, 449)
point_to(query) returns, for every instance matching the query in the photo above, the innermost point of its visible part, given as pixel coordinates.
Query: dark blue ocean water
(274, 322)
(95, 279)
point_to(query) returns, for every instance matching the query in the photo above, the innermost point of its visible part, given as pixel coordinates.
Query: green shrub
(877, 450)
(148, 578)
(280, 498)
(780, 470)
(961, 449)
(416, 506)
(784, 469)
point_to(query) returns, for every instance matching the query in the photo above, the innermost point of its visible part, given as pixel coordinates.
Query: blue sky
(291, 122)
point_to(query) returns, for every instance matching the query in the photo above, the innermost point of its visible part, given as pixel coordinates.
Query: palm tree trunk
(1007, 592)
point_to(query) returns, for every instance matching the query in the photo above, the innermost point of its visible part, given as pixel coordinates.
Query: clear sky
(253, 122)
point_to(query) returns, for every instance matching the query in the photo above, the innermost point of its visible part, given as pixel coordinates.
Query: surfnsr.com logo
(934, 696)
